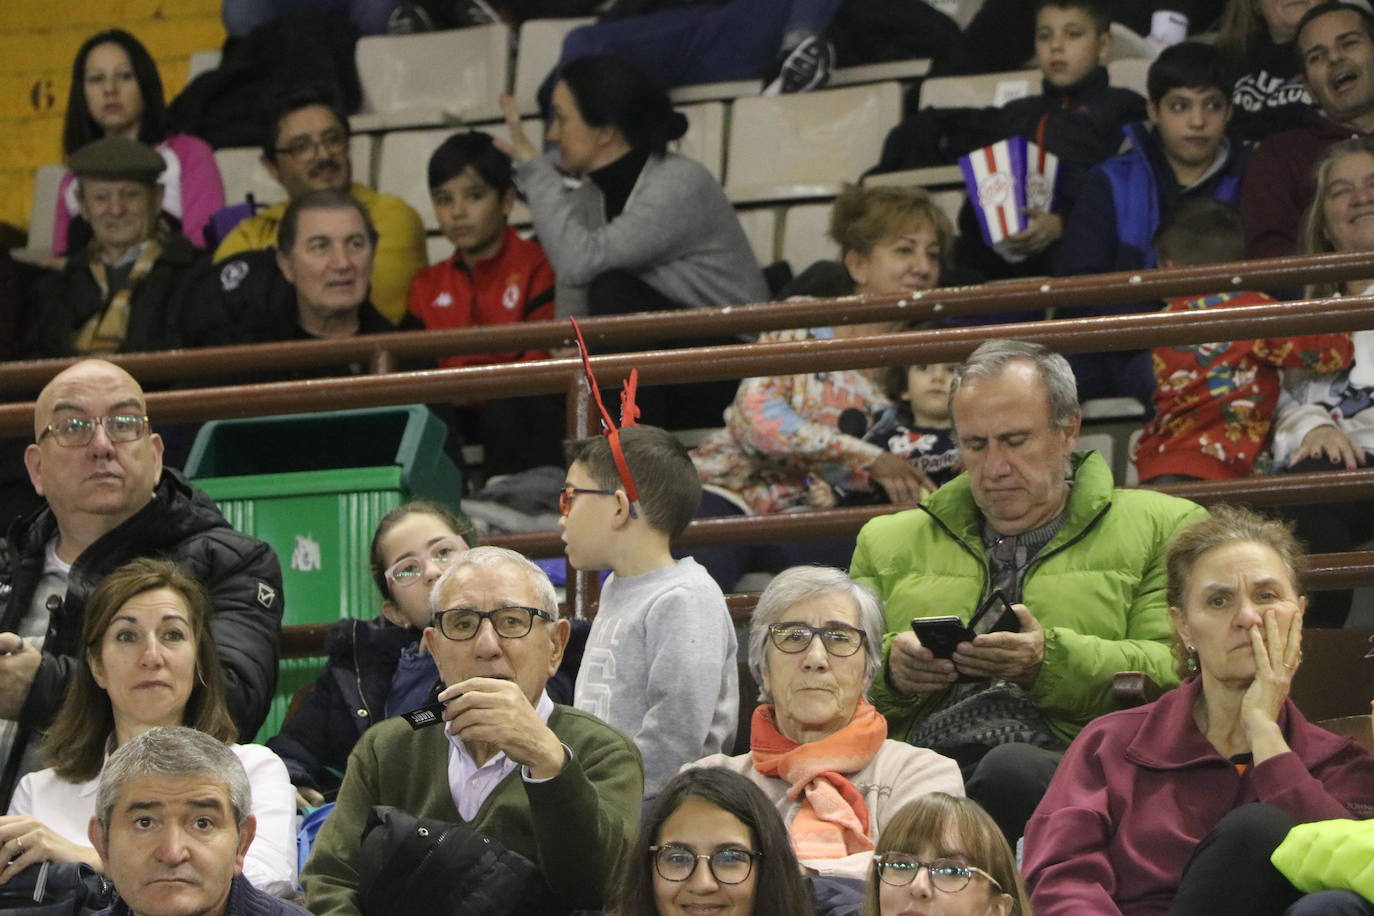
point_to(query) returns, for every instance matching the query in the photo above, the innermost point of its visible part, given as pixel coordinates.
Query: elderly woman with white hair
(818, 749)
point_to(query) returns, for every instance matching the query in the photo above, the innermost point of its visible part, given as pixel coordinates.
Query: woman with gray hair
(818, 750)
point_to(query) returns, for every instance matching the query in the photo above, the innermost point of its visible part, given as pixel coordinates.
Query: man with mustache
(173, 823)
(1335, 46)
(305, 148)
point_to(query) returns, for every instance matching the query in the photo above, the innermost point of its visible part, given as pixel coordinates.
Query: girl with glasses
(944, 856)
(711, 842)
(376, 668)
(817, 749)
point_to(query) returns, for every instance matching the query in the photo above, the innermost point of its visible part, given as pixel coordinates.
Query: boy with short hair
(493, 277)
(660, 659)
(1182, 152)
(1215, 402)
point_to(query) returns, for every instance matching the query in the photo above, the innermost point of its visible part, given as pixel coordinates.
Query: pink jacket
(192, 190)
(1138, 789)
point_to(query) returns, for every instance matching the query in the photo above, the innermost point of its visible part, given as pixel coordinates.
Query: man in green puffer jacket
(1081, 562)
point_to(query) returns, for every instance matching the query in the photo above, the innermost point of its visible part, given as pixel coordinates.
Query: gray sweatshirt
(677, 233)
(660, 667)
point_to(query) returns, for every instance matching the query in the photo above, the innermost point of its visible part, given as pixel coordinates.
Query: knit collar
(1067, 96)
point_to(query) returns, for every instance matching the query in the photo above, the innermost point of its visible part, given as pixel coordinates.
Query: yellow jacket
(400, 245)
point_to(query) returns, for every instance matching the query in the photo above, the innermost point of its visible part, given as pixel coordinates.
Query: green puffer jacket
(1329, 855)
(1097, 589)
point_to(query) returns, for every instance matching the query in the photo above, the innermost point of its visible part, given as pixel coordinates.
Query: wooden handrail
(705, 323)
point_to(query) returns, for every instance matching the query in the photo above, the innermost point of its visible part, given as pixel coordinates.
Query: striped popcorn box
(995, 178)
(1042, 172)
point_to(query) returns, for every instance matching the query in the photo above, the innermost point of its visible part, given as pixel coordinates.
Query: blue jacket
(1121, 204)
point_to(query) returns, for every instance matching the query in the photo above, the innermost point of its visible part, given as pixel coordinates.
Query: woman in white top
(147, 658)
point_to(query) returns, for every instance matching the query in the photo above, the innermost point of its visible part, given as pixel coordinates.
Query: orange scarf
(833, 820)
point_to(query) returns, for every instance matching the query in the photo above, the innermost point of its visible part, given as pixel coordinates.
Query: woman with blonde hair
(1256, 37)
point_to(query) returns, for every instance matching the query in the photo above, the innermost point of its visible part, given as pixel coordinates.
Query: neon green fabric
(1329, 856)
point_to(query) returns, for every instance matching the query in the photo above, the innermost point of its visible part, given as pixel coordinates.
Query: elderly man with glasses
(305, 148)
(98, 465)
(531, 781)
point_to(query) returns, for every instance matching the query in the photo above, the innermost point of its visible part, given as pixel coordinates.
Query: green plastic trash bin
(314, 486)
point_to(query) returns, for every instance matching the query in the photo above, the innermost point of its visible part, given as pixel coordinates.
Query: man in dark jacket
(121, 292)
(109, 500)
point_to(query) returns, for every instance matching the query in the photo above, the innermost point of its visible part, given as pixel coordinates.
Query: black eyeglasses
(730, 865)
(75, 432)
(794, 636)
(461, 624)
(947, 875)
(332, 141)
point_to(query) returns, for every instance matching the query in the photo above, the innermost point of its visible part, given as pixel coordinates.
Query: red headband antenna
(629, 412)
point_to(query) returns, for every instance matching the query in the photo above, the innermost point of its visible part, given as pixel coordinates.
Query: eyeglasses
(570, 492)
(730, 865)
(461, 624)
(794, 636)
(947, 875)
(331, 141)
(412, 569)
(75, 432)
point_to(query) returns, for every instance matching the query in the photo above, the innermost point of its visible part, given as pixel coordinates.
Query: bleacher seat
(715, 92)
(433, 78)
(979, 90)
(807, 145)
(43, 219)
(541, 41)
(879, 73)
(403, 164)
(243, 171)
(761, 228)
(202, 62)
(705, 137)
(1129, 73)
(805, 238)
(1127, 44)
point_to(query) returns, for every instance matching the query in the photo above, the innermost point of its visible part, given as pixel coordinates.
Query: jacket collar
(1095, 81)
(1168, 737)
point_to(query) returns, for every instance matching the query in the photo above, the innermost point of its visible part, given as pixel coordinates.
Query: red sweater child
(1215, 402)
(516, 284)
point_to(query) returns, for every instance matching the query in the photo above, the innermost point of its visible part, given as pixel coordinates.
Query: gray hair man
(1080, 562)
(555, 785)
(173, 823)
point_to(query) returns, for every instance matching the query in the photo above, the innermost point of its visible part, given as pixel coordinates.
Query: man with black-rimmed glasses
(535, 782)
(98, 465)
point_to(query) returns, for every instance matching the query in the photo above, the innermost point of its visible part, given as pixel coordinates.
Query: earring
(1192, 659)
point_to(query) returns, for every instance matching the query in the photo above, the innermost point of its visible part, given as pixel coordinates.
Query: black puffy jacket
(179, 523)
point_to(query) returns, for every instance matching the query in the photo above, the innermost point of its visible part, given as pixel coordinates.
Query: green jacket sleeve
(1329, 855)
(586, 816)
(1075, 681)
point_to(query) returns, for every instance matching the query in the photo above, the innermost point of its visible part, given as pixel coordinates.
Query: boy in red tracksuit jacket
(1215, 402)
(493, 277)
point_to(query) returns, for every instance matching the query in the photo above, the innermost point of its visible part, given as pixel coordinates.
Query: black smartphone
(994, 616)
(941, 634)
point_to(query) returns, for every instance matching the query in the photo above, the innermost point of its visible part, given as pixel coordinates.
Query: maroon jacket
(1278, 185)
(1138, 789)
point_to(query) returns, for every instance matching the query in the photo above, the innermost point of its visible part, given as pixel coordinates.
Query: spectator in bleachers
(1081, 563)
(1257, 41)
(1335, 47)
(917, 428)
(542, 799)
(147, 658)
(659, 664)
(1077, 117)
(122, 291)
(648, 230)
(109, 499)
(305, 148)
(493, 277)
(1324, 421)
(314, 286)
(173, 825)
(968, 866)
(1215, 402)
(817, 748)
(711, 843)
(116, 92)
(1176, 806)
(780, 41)
(1333, 861)
(376, 668)
(779, 430)
(365, 17)
(1183, 152)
